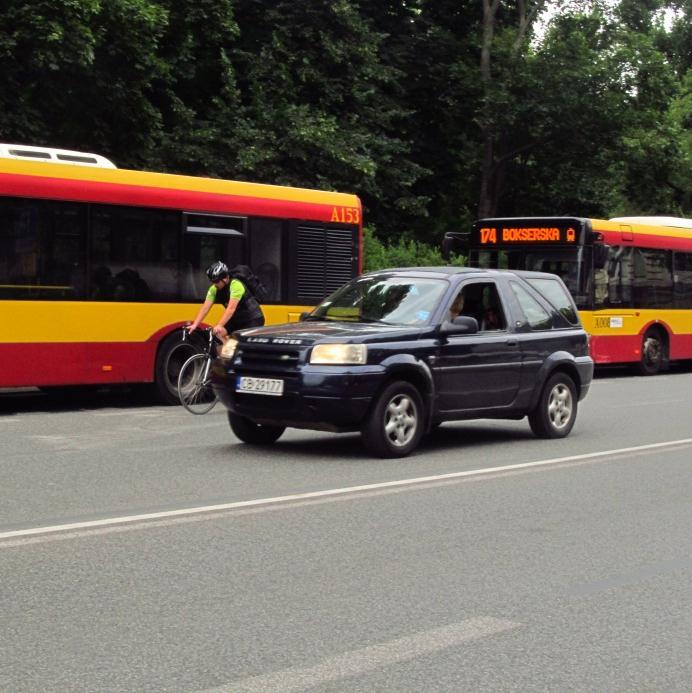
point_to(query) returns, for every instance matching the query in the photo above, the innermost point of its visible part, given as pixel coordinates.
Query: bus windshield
(569, 264)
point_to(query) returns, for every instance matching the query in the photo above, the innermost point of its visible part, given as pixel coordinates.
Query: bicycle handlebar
(211, 338)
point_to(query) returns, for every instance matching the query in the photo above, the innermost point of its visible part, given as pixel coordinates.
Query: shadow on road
(628, 371)
(64, 399)
(466, 437)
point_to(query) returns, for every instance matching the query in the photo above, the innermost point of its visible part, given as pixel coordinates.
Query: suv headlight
(339, 354)
(228, 348)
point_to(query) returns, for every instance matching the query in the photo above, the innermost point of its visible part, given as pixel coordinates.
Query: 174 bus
(631, 277)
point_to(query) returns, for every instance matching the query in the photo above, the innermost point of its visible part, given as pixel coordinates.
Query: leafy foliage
(405, 252)
(429, 110)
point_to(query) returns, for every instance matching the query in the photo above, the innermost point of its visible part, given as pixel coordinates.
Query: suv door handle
(512, 342)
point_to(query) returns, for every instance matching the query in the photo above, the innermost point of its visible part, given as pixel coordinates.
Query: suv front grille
(266, 359)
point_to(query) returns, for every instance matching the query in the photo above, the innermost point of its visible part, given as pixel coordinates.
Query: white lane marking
(335, 492)
(366, 659)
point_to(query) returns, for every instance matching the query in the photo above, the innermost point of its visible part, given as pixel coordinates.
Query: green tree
(322, 104)
(79, 74)
(198, 96)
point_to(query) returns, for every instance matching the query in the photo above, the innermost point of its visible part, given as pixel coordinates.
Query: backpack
(251, 280)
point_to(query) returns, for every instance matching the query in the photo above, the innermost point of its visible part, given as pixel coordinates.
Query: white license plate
(260, 386)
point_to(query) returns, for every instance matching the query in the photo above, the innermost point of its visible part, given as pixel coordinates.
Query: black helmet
(217, 270)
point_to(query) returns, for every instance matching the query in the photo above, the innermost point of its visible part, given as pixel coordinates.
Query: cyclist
(241, 308)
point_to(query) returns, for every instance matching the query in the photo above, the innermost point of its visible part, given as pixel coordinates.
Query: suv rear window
(537, 318)
(556, 294)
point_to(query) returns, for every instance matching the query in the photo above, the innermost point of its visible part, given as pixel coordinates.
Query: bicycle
(194, 381)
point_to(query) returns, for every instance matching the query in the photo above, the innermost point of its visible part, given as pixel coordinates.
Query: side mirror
(303, 315)
(447, 244)
(462, 324)
(453, 243)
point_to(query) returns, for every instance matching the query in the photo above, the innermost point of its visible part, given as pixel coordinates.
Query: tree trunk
(495, 157)
(485, 206)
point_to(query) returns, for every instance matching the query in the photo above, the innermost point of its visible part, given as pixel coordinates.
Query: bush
(403, 253)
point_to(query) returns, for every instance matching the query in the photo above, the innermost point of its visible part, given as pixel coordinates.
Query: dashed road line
(366, 659)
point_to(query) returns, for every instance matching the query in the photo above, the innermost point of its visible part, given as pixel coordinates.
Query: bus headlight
(339, 354)
(228, 349)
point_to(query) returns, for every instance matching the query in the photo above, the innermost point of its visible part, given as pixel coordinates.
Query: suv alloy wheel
(394, 426)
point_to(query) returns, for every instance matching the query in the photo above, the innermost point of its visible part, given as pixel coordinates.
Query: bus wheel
(654, 355)
(172, 354)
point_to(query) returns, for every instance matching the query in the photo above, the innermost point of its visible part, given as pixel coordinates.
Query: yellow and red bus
(100, 267)
(631, 277)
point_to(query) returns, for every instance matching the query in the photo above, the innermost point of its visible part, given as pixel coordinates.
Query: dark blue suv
(394, 353)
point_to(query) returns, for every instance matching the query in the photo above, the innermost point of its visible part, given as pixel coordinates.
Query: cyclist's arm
(228, 313)
(237, 291)
(206, 307)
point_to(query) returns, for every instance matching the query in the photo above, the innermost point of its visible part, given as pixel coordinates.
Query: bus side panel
(617, 337)
(627, 348)
(29, 364)
(75, 363)
(615, 348)
(97, 358)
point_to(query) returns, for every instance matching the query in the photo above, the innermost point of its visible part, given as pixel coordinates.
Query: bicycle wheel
(194, 385)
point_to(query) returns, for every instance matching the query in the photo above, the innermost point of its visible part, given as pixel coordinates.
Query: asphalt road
(144, 549)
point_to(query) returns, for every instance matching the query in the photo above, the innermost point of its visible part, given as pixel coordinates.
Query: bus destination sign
(519, 232)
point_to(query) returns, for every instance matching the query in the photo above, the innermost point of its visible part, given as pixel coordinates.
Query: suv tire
(250, 432)
(394, 425)
(556, 411)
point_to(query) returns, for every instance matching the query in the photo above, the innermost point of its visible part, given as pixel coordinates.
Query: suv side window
(535, 315)
(480, 300)
(556, 295)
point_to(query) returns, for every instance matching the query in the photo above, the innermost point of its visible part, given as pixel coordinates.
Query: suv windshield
(384, 299)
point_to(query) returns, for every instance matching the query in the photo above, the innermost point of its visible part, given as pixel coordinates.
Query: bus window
(265, 254)
(683, 280)
(600, 277)
(199, 251)
(620, 274)
(42, 249)
(134, 254)
(653, 278)
(640, 277)
(565, 264)
(63, 263)
(496, 259)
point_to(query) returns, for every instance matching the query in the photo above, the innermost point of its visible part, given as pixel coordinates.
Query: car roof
(448, 271)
